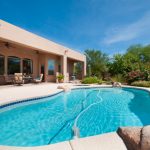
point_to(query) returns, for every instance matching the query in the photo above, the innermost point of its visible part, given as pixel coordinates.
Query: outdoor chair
(9, 79)
(38, 79)
(18, 79)
(2, 80)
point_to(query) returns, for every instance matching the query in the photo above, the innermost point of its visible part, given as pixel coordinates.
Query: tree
(96, 62)
(135, 60)
(117, 66)
(141, 52)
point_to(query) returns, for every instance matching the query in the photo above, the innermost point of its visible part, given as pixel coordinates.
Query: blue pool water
(50, 120)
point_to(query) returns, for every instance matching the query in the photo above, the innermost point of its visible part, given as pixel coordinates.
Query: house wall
(38, 49)
(21, 53)
(37, 58)
(51, 78)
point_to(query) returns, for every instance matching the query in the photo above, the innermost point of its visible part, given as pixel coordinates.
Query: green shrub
(141, 83)
(91, 80)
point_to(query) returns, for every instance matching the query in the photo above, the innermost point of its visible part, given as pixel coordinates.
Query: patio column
(64, 68)
(84, 69)
(21, 65)
(5, 66)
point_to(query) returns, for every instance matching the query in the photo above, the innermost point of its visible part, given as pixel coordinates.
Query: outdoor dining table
(28, 78)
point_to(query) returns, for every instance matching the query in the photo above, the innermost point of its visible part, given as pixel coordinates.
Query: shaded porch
(75, 69)
(17, 58)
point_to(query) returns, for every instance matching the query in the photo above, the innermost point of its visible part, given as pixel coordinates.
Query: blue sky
(108, 25)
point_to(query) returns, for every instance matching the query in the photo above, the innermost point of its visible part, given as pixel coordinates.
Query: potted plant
(60, 78)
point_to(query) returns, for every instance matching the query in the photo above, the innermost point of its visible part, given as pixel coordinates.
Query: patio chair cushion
(19, 78)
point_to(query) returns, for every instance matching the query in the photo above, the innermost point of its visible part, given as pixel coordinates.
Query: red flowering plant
(135, 76)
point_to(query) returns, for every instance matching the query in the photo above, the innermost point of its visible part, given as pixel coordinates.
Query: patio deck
(26, 91)
(109, 141)
(32, 90)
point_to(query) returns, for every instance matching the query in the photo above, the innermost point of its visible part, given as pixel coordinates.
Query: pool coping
(105, 141)
(17, 101)
(28, 99)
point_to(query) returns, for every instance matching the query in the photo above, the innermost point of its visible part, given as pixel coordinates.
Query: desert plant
(141, 83)
(60, 77)
(91, 80)
(135, 76)
(118, 78)
(100, 81)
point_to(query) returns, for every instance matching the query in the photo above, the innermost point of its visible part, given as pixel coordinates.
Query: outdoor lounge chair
(38, 79)
(18, 79)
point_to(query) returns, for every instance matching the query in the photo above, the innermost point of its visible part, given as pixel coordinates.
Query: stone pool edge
(58, 91)
(107, 141)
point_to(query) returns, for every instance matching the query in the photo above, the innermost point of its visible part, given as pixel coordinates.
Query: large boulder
(131, 137)
(135, 138)
(145, 138)
(64, 88)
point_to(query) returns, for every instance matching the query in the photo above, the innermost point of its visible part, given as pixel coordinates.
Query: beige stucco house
(25, 52)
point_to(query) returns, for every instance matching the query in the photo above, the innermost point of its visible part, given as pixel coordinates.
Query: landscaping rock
(64, 87)
(145, 138)
(131, 137)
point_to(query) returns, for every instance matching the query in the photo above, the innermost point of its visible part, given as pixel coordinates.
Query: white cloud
(130, 31)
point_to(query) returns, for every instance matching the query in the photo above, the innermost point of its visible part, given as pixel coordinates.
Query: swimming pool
(93, 110)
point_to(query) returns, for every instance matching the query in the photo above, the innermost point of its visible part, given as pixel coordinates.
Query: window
(27, 66)
(2, 60)
(51, 67)
(13, 65)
